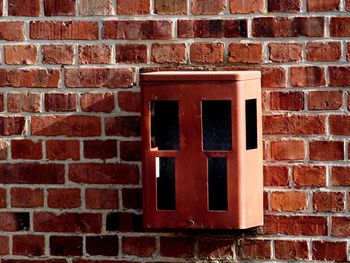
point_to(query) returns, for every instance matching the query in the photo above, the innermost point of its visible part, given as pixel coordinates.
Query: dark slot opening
(216, 122)
(217, 183)
(251, 124)
(165, 125)
(165, 172)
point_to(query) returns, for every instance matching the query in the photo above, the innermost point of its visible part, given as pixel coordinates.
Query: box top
(200, 75)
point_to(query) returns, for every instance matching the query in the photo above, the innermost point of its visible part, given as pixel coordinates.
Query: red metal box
(202, 149)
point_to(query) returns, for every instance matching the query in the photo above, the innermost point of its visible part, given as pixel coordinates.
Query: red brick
(2, 102)
(62, 150)
(325, 100)
(285, 52)
(212, 28)
(309, 176)
(128, 126)
(23, 102)
(347, 5)
(66, 245)
(60, 102)
(132, 198)
(245, 53)
(94, 54)
(129, 101)
(3, 204)
(211, 53)
(95, 7)
(101, 198)
(109, 173)
(319, 51)
(292, 101)
(340, 226)
(309, 26)
(255, 249)
(211, 7)
(307, 76)
(14, 221)
(340, 176)
(59, 7)
(290, 6)
(211, 248)
(99, 77)
(67, 222)
(322, 5)
(170, 7)
(176, 247)
(4, 245)
(97, 102)
(327, 250)
(98, 149)
(275, 176)
(102, 245)
(130, 151)
(63, 198)
(246, 6)
(57, 54)
(339, 76)
(293, 124)
(23, 7)
(26, 149)
(328, 201)
(66, 125)
(291, 249)
(137, 29)
(288, 201)
(273, 77)
(27, 173)
(348, 51)
(124, 222)
(12, 125)
(1, 14)
(339, 27)
(12, 31)
(139, 246)
(3, 150)
(33, 78)
(133, 7)
(31, 261)
(69, 30)
(26, 197)
(326, 150)
(28, 245)
(168, 53)
(288, 150)
(21, 54)
(129, 53)
(339, 124)
(295, 225)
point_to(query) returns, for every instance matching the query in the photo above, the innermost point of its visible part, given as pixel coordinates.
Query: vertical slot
(165, 173)
(165, 125)
(217, 183)
(251, 124)
(216, 123)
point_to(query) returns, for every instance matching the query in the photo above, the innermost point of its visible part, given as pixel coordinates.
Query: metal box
(202, 149)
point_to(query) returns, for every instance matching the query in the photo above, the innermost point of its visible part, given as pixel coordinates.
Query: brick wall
(70, 148)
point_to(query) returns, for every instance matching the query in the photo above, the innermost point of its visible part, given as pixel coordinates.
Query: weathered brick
(130, 151)
(289, 201)
(63, 198)
(131, 53)
(26, 197)
(211, 248)
(4, 245)
(246, 6)
(212, 53)
(176, 247)
(101, 198)
(339, 27)
(328, 250)
(94, 54)
(23, 102)
(291, 6)
(285, 52)
(3, 203)
(129, 101)
(26, 149)
(328, 201)
(273, 77)
(3, 150)
(124, 222)
(319, 51)
(255, 249)
(339, 76)
(288, 150)
(340, 176)
(23, 7)
(322, 5)
(21, 54)
(170, 7)
(60, 102)
(339, 124)
(28, 245)
(309, 176)
(245, 53)
(98, 149)
(208, 7)
(110, 173)
(137, 29)
(14, 221)
(325, 100)
(139, 246)
(133, 7)
(311, 76)
(102, 245)
(95, 7)
(12, 31)
(99, 77)
(66, 245)
(33, 78)
(97, 102)
(57, 54)
(275, 176)
(132, 198)
(326, 150)
(12, 125)
(59, 7)
(59, 30)
(128, 126)
(291, 249)
(62, 150)
(66, 125)
(292, 101)
(168, 53)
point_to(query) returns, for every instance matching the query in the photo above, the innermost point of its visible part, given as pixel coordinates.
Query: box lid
(200, 75)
